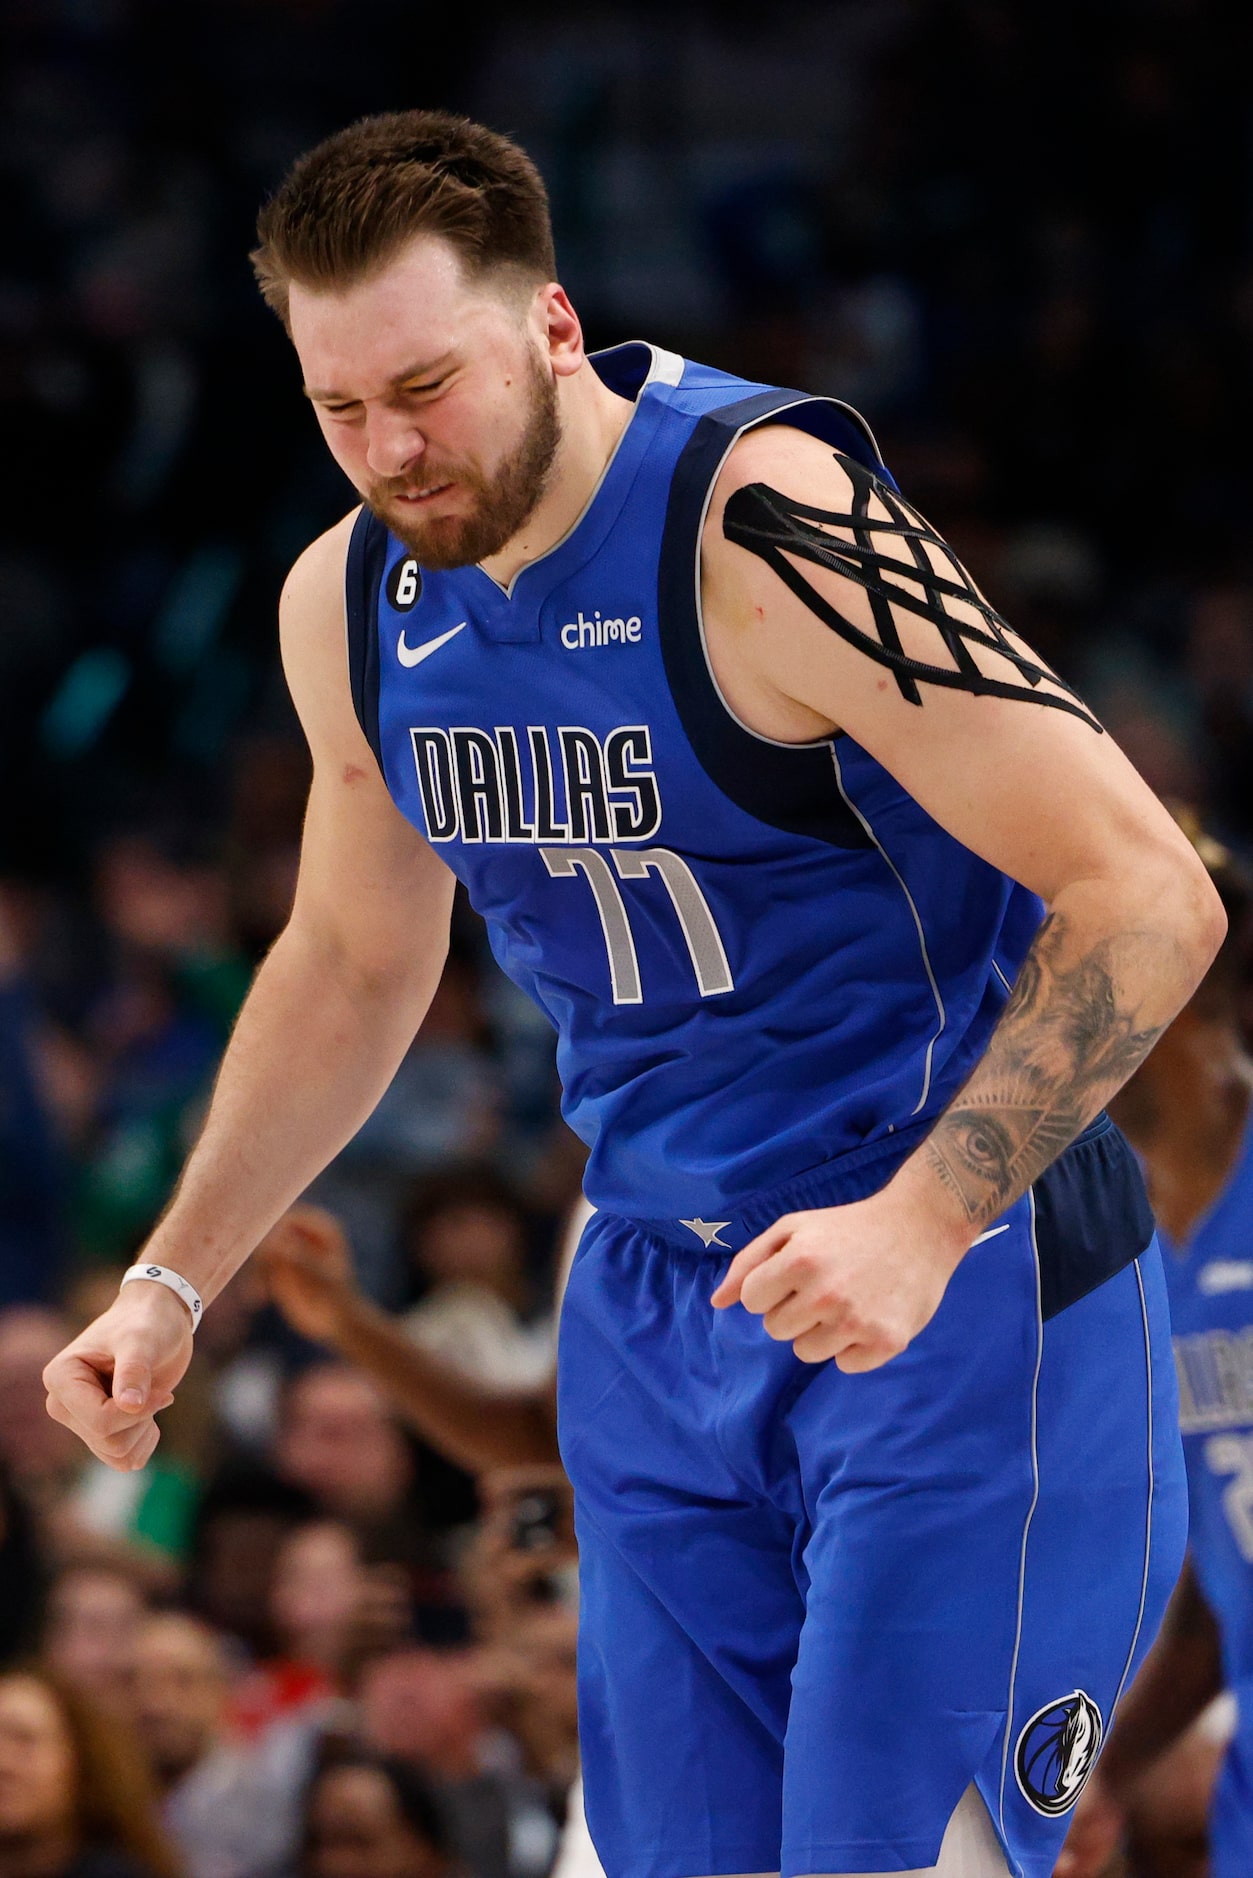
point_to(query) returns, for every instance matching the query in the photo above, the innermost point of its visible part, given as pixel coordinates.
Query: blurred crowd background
(1020, 238)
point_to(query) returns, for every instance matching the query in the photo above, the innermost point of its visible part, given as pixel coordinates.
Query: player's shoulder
(318, 571)
(776, 457)
(783, 455)
(312, 628)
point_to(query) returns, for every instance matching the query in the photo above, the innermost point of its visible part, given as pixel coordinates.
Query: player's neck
(593, 419)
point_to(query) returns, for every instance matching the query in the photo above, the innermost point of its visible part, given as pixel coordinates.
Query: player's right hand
(306, 1262)
(121, 1371)
(1095, 1835)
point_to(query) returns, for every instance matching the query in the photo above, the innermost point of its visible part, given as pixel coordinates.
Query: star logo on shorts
(707, 1230)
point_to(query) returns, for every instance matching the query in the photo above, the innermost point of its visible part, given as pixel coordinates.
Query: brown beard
(504, 500)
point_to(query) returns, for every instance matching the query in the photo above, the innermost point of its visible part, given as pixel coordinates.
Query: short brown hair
(351, 202)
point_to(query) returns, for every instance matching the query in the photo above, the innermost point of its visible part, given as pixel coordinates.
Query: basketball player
(1189, 1111)
(849, 918)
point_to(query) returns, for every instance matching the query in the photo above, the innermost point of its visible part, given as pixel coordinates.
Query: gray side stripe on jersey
(1000, 974)
(922, 937)
(1035, 1497)
(1148, 1517)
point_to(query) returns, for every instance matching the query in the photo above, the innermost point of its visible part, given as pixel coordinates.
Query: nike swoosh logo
(989, 1234)
(414, 655)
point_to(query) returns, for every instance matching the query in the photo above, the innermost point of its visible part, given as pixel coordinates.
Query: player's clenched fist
(856, 1282)
(121, 1371)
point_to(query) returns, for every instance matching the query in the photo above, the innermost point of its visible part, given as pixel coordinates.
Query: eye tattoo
(774, 526)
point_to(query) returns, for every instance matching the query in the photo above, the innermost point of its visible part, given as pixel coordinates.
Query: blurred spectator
(268, 787)
(149, 1513)
(443, 1101)
(371, 1817)
(329, 1611)
(32, 1174)
(173, 982)
(337, 1442)
(340, 1443)
(442, 1105)
(75, 1799)
(244, 1518)
(231, 1808)
(433, 1710)
(41, 1457)
(242, 1368)
(91, 1631)
(22, 1573)
(319, 1591)
(524, 1553)
(520, 1575)
(521, 1578)
(465, 1236)
(1220, 665)
(536, 1668)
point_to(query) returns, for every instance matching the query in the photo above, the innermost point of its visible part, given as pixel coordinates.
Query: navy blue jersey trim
(363, 577)
(1092, 1216)
(791, 787)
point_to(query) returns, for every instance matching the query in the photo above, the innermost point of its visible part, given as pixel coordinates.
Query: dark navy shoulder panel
(1092, 1215)
(792, 787)
(363, 576)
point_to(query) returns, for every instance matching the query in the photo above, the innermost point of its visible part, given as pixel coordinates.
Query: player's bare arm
(330, 1014)
(830, 604)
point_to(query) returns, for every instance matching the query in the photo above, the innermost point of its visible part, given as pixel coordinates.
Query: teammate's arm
(1181, 1675)
(830, 604)
(328, 1019)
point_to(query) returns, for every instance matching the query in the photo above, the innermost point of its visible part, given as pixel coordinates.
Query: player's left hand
(855, 1282)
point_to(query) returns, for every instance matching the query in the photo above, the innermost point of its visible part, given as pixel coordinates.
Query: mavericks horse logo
(1057, 1751)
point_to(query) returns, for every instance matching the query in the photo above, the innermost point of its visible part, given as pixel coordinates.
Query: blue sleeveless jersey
(1209, 1281)
(761, 959)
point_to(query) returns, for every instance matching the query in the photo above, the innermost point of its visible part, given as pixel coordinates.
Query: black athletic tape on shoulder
(773, 526)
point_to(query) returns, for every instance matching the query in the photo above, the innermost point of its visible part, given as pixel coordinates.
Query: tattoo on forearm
(1066, 1041)
(929, 585)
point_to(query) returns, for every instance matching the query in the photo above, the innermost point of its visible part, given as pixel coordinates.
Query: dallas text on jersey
(478, 786)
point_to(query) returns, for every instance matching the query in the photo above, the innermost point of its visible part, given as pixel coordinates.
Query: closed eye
(349, 407)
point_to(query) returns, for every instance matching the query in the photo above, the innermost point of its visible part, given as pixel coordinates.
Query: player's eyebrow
(316, 395)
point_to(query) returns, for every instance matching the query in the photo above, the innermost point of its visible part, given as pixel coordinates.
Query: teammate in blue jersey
(849, 918)
(1189, 1111)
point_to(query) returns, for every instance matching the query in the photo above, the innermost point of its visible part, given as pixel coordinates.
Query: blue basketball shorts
(816, 1606)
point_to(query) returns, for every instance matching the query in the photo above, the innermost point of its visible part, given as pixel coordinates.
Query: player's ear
(562, 332)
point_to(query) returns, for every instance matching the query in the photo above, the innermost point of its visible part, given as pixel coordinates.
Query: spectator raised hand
(308, 1268)
(307, 1264)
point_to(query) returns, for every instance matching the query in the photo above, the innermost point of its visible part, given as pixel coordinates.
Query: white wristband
(162, 1275)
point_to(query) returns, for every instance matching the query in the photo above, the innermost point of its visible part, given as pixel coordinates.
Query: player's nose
(393, 442)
